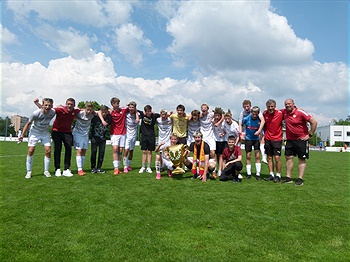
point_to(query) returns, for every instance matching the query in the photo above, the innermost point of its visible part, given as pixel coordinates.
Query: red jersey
(231, 155)
(64, 119)
(296, 123)
(273, 125)
(118, 126)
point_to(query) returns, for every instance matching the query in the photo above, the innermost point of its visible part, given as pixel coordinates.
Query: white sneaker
(67, 173)
(47, 174)
(58, 172)
(142, 169)
(149, 170)
(29, 174)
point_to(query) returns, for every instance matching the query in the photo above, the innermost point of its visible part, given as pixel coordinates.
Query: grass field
(134, 217)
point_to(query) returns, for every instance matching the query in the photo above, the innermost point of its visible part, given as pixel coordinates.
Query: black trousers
(67, 140)
(97, 145)
(230, 170)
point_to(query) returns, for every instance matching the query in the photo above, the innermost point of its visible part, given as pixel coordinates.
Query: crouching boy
(232, 161)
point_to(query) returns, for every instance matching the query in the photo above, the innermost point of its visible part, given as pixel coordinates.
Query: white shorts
(211, 142)
(167, 163)
(34, 139)
(130, 142)
(81, 141)
(118, 140)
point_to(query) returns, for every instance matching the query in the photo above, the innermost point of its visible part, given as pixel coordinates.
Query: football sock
(249, 169)
(29, 163)
(46, 163)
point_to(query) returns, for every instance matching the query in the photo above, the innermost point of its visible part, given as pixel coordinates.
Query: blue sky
(165, 53)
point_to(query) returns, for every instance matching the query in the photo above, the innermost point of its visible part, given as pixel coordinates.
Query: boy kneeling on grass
(232, 161)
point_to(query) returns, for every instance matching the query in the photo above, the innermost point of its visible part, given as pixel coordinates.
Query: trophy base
(178, 171)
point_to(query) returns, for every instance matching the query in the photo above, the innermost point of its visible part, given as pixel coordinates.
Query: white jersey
(165, 128)
(231, 130)
(82, 125)
(219, 132)
(41, 121)
(207, 127)
(192, 127)
(131, 125)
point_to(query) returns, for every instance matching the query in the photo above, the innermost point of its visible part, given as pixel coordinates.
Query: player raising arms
(39, 123)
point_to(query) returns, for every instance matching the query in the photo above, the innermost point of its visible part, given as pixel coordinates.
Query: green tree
(97, 106)
(5, 128)
(342, 122)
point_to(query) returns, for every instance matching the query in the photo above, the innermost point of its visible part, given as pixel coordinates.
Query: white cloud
(69, 41)
(95, 13)
(129, 41)
(7, 37)
(231, 35)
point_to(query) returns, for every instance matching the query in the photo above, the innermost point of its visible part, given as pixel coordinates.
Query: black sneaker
(270, 178)
(258, 178)
(235, 179)
(287, 180)
(94, 170)
(249, 176)
(100, 171)
(299, 182)
(277, 179)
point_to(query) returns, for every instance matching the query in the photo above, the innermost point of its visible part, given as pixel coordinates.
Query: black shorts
(273, 147)
(252, 143)
(220, 146)
(298, 148)
(148, 143)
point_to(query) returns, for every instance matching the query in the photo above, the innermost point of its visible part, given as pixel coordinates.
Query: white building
(334, 133)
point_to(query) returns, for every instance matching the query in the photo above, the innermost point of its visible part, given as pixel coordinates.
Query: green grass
(134, 217)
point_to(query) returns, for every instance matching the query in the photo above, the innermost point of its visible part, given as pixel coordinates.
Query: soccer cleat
(240, 177)
(287, 180)
(129, 168)
(47, 174)
(29, 174)
(149, 170)
(270, 178)
(299, 182)
(67, 173)
(235, 179)
(126, 170)
(170, 174)
(100, 171)
(195, 176)
(277, 179)
(81, 173)
(58, 173)
(94, 170)
(117, 171)
(158, 176)
(264, 161)
(258, 177)
(249, 176)
(142, 169)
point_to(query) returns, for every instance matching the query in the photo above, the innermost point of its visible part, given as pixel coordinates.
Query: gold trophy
(176, 155)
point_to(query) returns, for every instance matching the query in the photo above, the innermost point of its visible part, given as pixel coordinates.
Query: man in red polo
(298, 135)
(273, 139)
